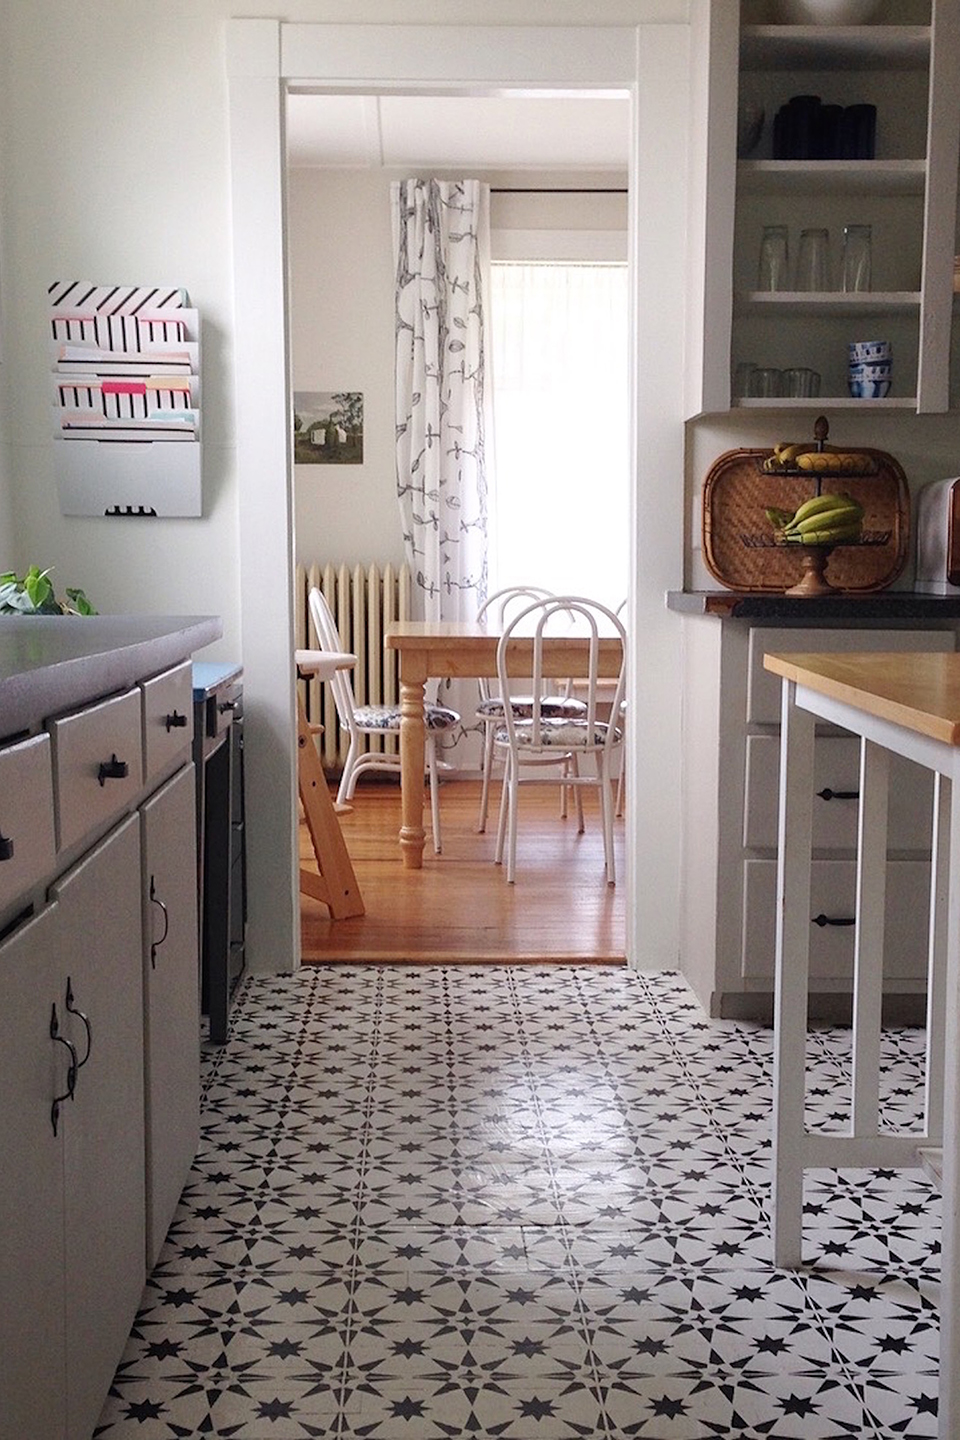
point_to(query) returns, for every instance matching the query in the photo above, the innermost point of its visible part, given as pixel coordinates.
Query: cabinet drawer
(97, 764)
(833, 892)
(763, 688)
(27, 840)
(836, 769)
(167, 718)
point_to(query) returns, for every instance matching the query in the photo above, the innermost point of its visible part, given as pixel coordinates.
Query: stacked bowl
(869, 366)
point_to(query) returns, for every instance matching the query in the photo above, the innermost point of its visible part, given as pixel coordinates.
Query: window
(561, 423)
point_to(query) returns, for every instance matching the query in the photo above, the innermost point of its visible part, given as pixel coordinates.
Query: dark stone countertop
(882, 605)
(53, 663)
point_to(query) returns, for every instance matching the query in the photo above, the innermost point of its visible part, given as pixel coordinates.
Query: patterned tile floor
(519, 1203)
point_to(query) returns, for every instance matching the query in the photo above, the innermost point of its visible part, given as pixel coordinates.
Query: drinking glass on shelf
(801, 383)
(857, 266)
(766, 383)
(813, 260)
(773, 269)
(742, 378)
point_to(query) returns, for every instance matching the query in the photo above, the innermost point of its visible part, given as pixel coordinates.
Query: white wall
(341, 338)
(342, 329)
(7, 538)
(116, 117)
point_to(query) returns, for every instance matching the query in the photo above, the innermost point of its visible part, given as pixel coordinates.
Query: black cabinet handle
(176, 721)
(72, 1010)
(829, 794)
(155, 944)
(823, 920)
(71, 1069)
(113, 769)
(223, 705)
(6, 847)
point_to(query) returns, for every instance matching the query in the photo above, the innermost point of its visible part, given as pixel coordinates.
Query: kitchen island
(898, 705)
(729, 786)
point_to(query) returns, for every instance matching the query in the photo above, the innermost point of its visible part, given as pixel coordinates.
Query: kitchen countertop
(879, 605)
(920, 692)
(52, 663)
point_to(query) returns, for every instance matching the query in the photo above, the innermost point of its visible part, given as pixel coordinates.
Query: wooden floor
(459, 907)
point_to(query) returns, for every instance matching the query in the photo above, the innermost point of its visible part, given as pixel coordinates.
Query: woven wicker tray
(737, 491)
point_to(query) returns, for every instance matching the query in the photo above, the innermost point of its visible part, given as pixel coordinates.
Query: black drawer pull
(72, 1010)
(113, 769)
(223, 705)
(155, 900)
(823, 920)
(176, 721)
(71, 1069)
(829, 794)
(6, 847)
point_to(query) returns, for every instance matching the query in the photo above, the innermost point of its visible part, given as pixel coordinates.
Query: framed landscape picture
(327, 427)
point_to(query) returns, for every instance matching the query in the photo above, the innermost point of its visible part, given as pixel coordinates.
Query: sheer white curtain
(560, 404)
(441, 241)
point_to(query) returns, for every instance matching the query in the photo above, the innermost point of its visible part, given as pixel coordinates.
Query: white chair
(525, 743)
(621, 778)
(491, 707)
(360, 721)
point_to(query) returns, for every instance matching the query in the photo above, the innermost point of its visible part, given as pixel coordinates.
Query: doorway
(266, 59)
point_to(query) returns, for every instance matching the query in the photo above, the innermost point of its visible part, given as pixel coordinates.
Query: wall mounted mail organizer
(126, 363)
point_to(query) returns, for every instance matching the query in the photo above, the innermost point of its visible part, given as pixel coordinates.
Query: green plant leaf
(34, 595)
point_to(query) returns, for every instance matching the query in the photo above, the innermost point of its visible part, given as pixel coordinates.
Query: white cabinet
(33, 1070)
(171, 999)
(730, 792)
(99, 1037)
(27, 840)
(98, 904)
(907, 194)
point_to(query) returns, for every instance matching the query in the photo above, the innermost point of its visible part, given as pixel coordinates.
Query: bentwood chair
(361, 721)
(500, 606)
(524, 743)
(621, 778)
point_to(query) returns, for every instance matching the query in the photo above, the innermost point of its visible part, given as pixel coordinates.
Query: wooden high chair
(336, 885)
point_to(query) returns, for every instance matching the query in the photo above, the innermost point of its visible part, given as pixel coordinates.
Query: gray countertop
(53, 663)
(885, 605)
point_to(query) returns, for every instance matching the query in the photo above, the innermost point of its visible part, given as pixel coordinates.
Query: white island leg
(792, 977)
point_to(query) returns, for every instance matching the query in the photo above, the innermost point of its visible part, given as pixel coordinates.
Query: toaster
(938, 538)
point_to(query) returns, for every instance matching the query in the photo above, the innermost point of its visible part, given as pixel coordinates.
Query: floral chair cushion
(556, 706)
(387, 717)
(562, 734)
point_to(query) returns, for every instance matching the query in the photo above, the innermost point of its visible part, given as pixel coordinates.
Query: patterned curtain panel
(441, 237)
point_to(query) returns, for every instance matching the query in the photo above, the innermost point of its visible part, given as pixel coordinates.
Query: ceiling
(540, 132)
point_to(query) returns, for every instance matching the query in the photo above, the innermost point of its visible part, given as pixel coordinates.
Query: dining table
(454, 649)
(900, 704)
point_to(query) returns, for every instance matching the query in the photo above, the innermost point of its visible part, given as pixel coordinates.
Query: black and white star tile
(525, 1204)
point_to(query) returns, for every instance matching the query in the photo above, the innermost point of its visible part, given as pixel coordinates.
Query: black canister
(858, 132)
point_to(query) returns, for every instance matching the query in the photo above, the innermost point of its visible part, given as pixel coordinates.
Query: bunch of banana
(848, 463)
(824, 520)
(785, 456)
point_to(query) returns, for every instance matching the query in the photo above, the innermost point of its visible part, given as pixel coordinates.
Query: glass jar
(857, 257)
(813, 260)
(772, 272)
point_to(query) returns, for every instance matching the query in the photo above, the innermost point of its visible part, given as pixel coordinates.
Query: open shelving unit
(907, 194)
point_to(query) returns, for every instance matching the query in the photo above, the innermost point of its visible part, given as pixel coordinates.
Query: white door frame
(649, 63)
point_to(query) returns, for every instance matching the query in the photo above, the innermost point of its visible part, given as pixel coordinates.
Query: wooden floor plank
(459, 907)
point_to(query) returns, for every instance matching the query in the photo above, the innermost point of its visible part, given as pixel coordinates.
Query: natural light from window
(559, 506)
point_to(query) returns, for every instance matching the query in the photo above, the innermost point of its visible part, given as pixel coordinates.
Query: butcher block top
(919, 691)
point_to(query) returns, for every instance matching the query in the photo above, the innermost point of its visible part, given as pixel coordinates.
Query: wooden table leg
(412, 759)
(336, 885)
